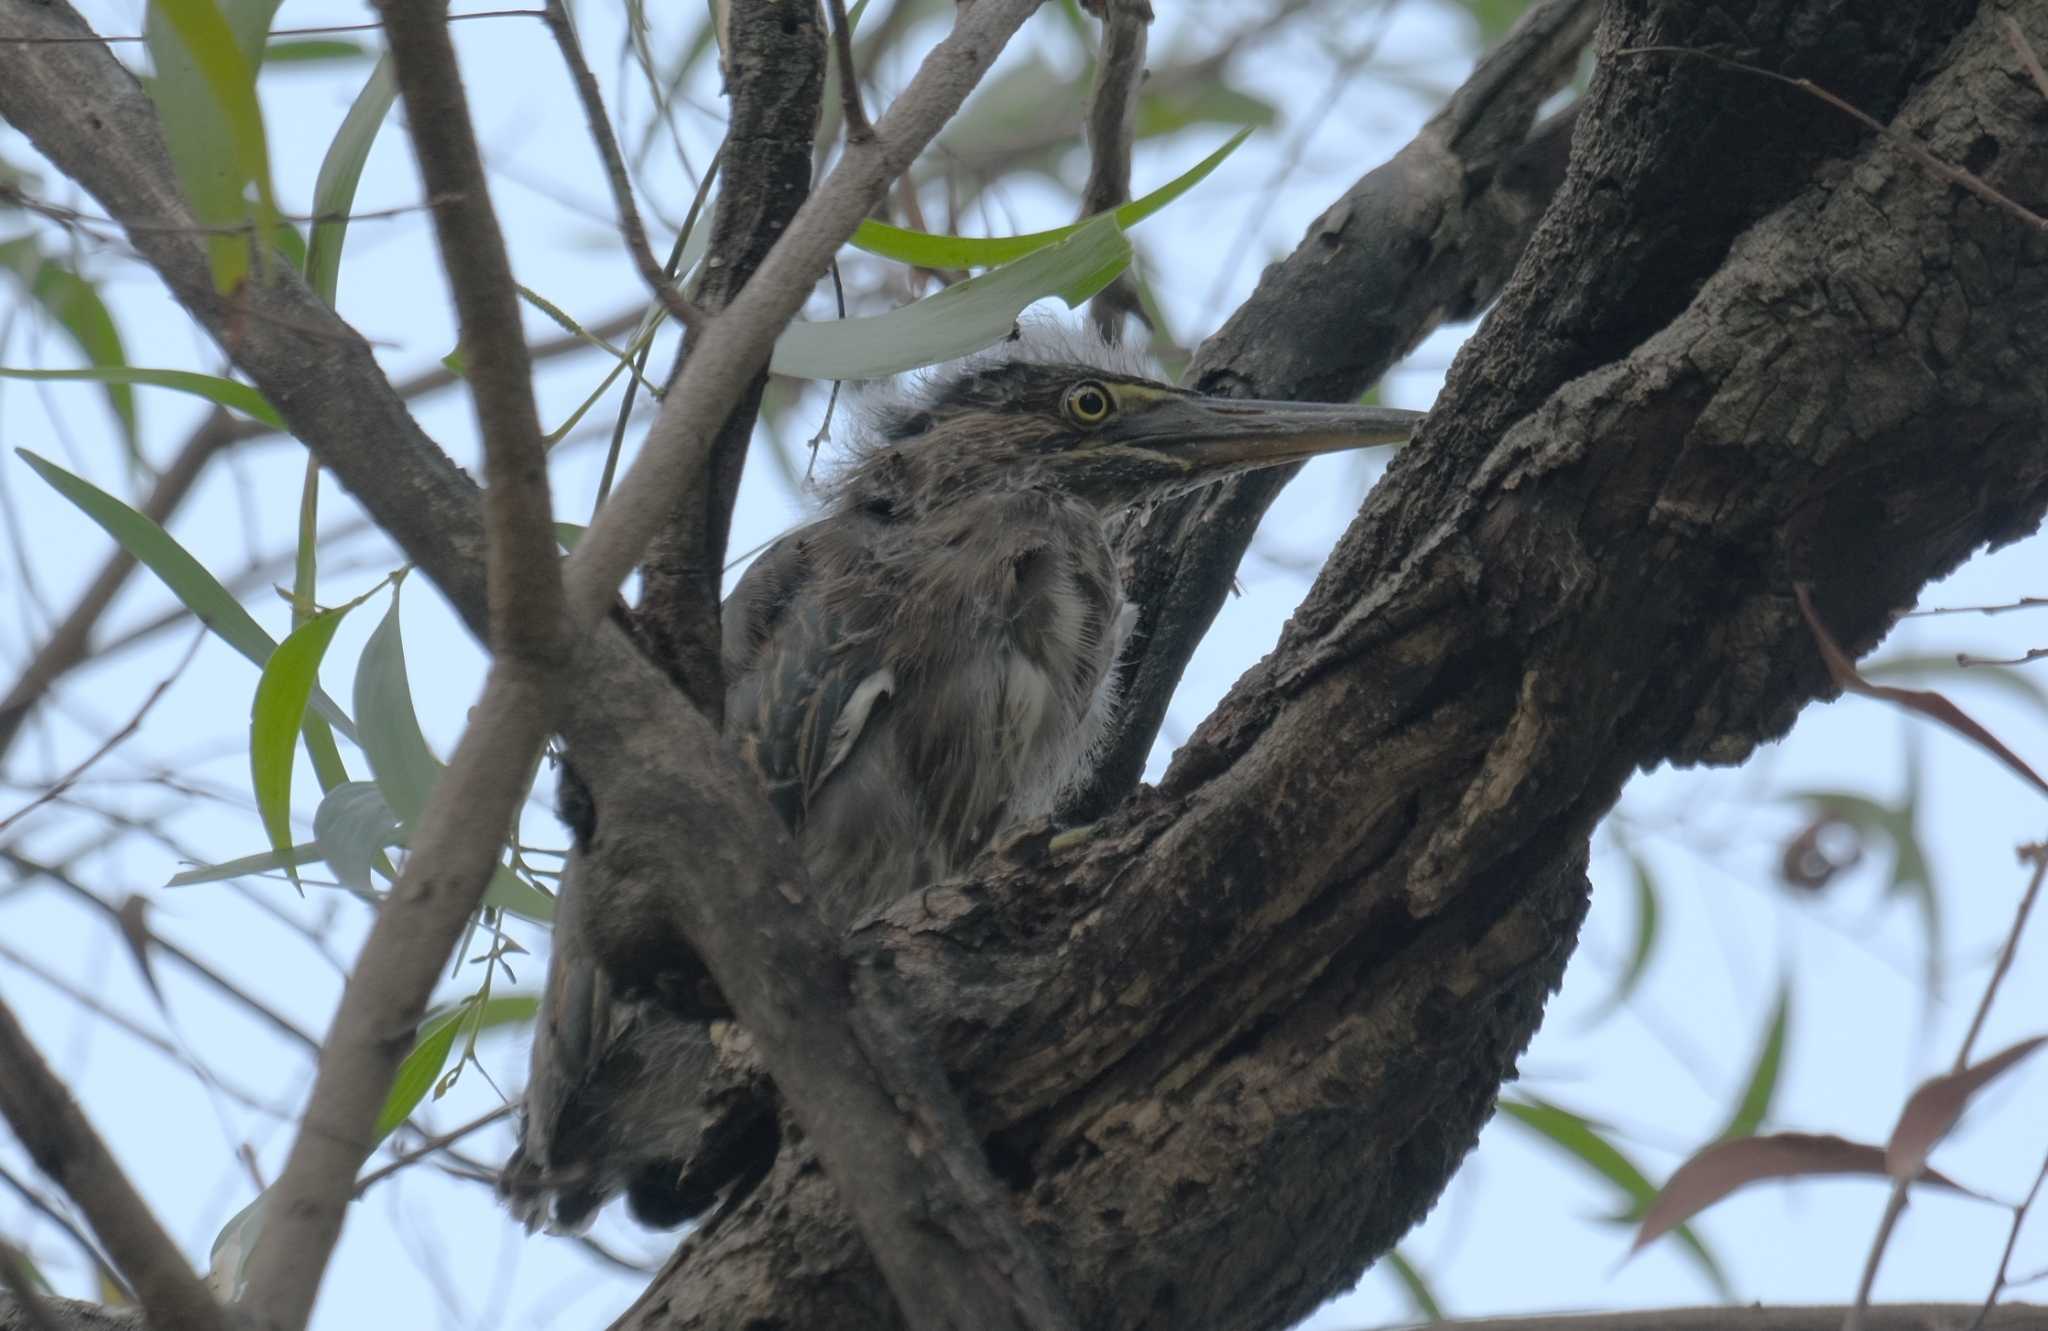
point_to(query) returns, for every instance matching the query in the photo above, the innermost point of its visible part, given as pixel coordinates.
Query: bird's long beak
(1210, 435)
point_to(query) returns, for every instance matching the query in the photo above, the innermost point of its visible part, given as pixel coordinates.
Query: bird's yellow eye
(1088, 403)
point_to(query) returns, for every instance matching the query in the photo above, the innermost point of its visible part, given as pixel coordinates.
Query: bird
(931, 659)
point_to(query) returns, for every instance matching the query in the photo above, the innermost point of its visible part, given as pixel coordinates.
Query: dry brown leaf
(1935, 1107)
(1723, 1167)
(1924, 701)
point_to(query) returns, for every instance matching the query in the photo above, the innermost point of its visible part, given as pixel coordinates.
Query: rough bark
(1231, 1043)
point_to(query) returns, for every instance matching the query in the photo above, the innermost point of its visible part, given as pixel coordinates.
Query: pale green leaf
(334, 193)
(387, 727)
(188, 580)
(925, 250)
(313, 50)
(963, 318)
(351, 830)
(76, 306)
(268, 861)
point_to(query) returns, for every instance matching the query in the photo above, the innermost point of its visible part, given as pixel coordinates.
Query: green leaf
(313, 50)
(436, 1040)
(567, 534)
(387, 727)
(276, 715)
(351, 829)
(421, 1067)
(224, 392)
(188, 580)
(925, 250)
(508, 891)
(1208, 101)
(227, 1267)
(1912, 877)
(1754, 1104)
(1415, 1285)
(76, 306)
(1645, 938)
(1580, 1139)
(963, 318)
(267, 861)
(334, 193)
(205, 91)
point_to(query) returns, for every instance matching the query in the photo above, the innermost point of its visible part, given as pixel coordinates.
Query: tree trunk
(1230, 1043)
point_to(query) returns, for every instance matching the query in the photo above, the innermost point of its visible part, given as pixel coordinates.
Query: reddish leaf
(1924, 701)
(1720, 1169)
(1936, 1106)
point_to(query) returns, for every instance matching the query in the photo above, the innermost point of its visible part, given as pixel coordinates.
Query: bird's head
(1021, 416)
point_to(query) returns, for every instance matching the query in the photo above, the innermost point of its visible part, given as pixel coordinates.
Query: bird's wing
(804, 678)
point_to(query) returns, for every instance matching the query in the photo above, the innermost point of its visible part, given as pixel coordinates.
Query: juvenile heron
(931, 659)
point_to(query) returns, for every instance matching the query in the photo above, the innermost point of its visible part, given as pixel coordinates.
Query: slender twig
(1111, 124)
(587, 92)
(65, 1147)
(429, 1147)
(49, 1210)
(463, 826)
(1895, 1204)
(645, 335)
(858, 130)
(112, 742)
(2002, 1279)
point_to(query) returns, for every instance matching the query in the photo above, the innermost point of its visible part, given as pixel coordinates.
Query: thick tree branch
(1427, 238)
(1296, 975)
(461, 831)
(64, 1146)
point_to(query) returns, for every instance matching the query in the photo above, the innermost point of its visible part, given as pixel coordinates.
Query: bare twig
(65, 1147)
(587, 92)
(430, 1146)
(112, 742)
(1111, 122)
(466, 817)
(1895, 1204)
(857, 128)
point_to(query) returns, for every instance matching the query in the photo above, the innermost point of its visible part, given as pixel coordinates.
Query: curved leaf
(388, 728)
(1754, 1104)
(1579, 1138)
(351, 829)
(275, 718)
(436, 1040)
(261, 862)
(925, 250)
(965, 317)
(76, 306)
(1934, 1108)
(334, 193)
(187, 578)
(223, 392)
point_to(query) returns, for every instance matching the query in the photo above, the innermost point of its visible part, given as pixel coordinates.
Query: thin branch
(1895, 1204)
(635, 234)
(1110, 126)
(463, 826)
(65, 1147)
(858, 130)
(113, 741)
(430, 1146)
